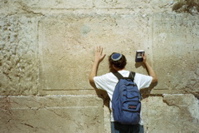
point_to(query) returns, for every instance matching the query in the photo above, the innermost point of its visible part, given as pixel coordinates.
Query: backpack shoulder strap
(132, 75)
(118, 75)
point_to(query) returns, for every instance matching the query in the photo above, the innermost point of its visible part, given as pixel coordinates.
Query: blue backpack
(126, 99)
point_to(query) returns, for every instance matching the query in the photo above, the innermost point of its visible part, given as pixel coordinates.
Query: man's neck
(116, 69)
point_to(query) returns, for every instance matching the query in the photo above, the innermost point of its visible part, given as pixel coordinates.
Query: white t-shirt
(108, 82)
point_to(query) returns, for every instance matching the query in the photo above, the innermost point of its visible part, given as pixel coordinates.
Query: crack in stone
(28, 125)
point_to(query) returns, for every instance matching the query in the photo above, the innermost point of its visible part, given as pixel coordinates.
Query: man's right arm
(150, 70)
(99, 56)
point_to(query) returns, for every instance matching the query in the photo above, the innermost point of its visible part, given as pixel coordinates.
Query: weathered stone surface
(60, 113)
(18, 58)
(171, 114)
(57, 4)
(135, 5)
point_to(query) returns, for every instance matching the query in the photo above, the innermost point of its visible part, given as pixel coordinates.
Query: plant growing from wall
(189, 6)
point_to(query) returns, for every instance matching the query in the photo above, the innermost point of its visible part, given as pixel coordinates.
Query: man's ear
(112, 68)
(115, 69)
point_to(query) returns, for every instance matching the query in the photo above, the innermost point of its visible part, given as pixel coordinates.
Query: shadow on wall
(189, 6)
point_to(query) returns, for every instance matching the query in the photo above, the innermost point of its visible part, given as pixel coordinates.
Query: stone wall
(46, 53)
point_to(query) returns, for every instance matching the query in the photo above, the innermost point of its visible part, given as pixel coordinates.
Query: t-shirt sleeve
(143, 81)
(100, 81)
(106, 82)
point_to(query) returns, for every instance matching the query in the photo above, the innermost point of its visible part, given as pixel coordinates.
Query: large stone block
(176, 113)
(50, 114)
(67, 44)
(175, 52)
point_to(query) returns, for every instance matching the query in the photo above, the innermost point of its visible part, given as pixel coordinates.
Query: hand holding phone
(139, 55)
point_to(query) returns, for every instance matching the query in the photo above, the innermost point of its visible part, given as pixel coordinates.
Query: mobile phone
(138, 56)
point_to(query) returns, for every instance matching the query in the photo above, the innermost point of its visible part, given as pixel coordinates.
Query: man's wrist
(96, 61)
(145, 63)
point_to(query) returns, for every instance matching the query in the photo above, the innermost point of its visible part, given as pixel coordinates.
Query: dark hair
(120, 63)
